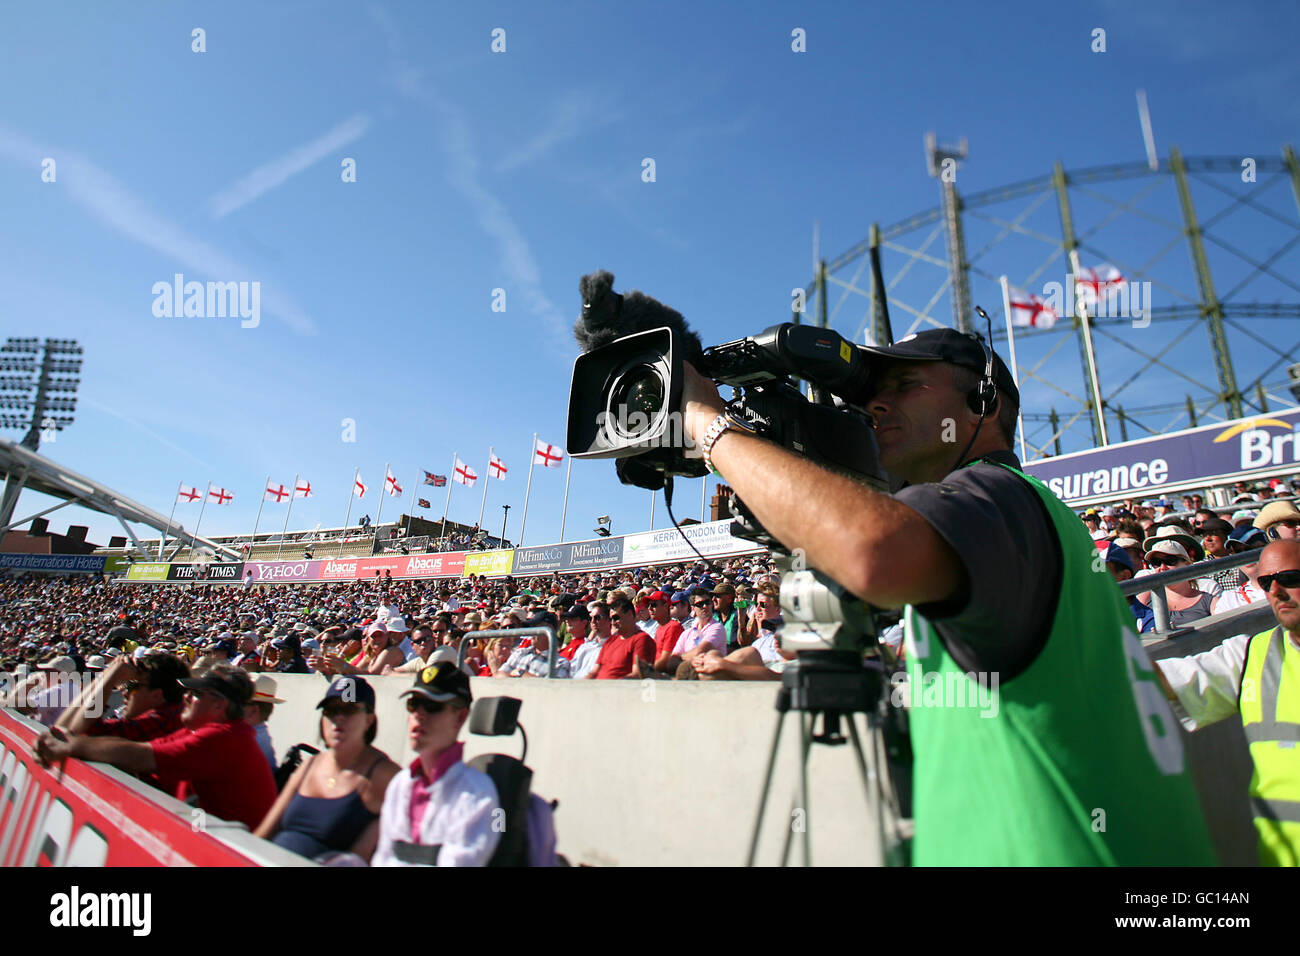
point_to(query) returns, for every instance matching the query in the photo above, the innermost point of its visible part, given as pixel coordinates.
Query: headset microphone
(982, 398)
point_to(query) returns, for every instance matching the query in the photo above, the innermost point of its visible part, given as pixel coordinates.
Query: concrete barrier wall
(658, 773)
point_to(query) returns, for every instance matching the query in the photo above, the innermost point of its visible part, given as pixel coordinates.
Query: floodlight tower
(44, 405)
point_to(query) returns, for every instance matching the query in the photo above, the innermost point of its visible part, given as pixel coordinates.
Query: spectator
(1280, 521)
(724, 600)
(1214, 539)
(48, 691)
(585, 658)
(1248, 592)
(766, 608)
(702, 632)
(619, 654)
(258, 711)
(577, 620)
(532, 660)
(1187, 602)
(438, 812)
(214, 756)
(153, 696)
(290, 659)
(332, 802)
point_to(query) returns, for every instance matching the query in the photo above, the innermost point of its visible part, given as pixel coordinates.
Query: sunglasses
(341, 710)
(1165, 562)
(431, 707)
(702, 603)
(1288, 579)
(131, 686)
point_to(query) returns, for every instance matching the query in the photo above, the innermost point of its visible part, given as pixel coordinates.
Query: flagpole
(486, 478)
(652, 510)
(259, 516)
(195, 535)
(1081, 310)
(704, 498)
(565, 510)
(447, 507)
(383, 490)
(1011, 354)
(410, 506)
(352, 493)
(162, 539)
(532, 458)
(286, 517)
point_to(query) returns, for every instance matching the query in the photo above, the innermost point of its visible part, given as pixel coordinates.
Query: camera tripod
(835, 685)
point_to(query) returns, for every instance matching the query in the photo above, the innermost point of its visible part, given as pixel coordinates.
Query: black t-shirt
(1002, 614)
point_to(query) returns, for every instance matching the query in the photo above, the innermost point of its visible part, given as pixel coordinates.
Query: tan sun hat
(264, 689)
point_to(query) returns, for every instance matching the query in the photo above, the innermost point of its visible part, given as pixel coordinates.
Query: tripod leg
(803, 791)
(767, 786)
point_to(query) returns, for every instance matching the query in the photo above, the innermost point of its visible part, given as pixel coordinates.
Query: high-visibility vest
(1269, 702)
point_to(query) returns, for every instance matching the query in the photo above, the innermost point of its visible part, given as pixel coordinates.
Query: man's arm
(1206, 684)
(123, 754)
(878, 548)
(74, 719)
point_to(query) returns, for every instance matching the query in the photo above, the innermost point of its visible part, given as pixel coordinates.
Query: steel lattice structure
(1237, 220)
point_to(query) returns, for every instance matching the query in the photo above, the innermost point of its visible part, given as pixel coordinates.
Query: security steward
(1081, 764)
(1259, 679)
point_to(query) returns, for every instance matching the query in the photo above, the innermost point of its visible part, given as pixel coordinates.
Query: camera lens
(636, 400)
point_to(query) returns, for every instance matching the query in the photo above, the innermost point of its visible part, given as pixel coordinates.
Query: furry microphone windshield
(608, 315)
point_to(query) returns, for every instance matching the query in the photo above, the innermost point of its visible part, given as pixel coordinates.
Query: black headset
(984, 396)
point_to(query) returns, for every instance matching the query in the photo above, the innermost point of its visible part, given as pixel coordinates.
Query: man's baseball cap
(1245, 538)
(1117, 555)
(724, 588)
(441, 682)
(577, 611)
(943, 345)
(1215, 526)
(228, 686)
(350, 690)
(62, 663)
(681, 596)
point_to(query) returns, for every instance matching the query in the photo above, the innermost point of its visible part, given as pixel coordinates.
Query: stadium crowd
(1141, 538)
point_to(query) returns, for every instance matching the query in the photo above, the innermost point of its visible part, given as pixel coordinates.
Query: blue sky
(522, 171)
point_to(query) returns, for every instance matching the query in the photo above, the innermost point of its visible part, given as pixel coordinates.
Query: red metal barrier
(84, 815)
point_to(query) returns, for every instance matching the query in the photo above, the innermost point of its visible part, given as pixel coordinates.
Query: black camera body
(625, 404)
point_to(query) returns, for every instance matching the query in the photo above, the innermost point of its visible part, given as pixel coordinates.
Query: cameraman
(1080, 763)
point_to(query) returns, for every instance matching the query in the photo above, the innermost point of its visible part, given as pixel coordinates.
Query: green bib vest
(1270, 716)
(1076, 762)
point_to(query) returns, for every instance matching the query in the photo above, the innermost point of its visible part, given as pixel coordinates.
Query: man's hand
(54, 746)
(120, 672)
(709, 663)
(701, 404)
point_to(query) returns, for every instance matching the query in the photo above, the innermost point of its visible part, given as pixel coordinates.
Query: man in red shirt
(627, 645)
(215, 755)
(578, 620)
(669, 629)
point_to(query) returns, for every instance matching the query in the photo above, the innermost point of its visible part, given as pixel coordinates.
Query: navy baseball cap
(944, 345)
(681, 596)
(350, 690)
(1117, 555)
(577, 611)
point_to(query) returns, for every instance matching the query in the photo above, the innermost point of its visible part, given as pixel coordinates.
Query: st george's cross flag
(496, 467)
(464, 474)
(359, 487)
(1029, 310)
(548, 455)
(391, 485)
(220, 495)
(302, 489)
(276, 493)
(1093, 285)
(187, 494)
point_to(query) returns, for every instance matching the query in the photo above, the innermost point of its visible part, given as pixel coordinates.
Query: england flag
(359, 487)
(188, 494)
(548, 455)
(303, 489)
(1029, 310)
(497, 468)
(464, 474)
(1091, 285)
(276, 493)
(220, 495)
(390, 483)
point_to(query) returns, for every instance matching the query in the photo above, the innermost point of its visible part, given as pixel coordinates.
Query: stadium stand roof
(23, 468)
